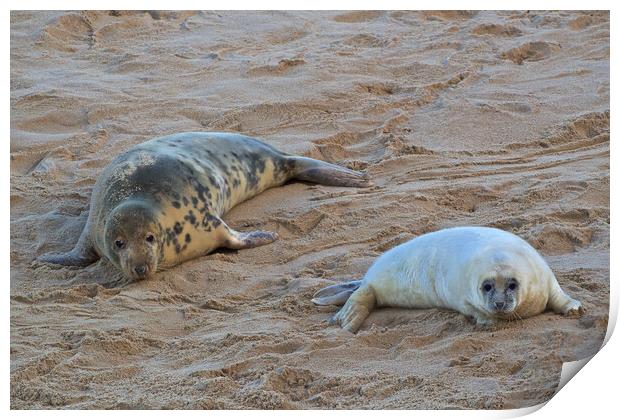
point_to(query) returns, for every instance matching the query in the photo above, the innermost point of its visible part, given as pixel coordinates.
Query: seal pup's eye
(487, 286)
(119, 243)
(150, 238)
(512, 284)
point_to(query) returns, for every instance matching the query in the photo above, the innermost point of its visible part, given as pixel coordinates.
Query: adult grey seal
(482, 272)
(161, 202)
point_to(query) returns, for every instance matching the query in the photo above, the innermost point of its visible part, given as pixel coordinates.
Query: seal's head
(133, 239)
(499, 280)
(500, 294)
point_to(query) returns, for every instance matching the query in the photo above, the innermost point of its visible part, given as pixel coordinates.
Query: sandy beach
(460, 118)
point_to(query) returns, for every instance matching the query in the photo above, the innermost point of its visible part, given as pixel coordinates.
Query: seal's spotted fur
(175, 189)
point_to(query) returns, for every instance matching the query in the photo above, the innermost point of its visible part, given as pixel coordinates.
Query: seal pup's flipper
(336, 294)
(312, 170)
(563, 304)
(77, 257)
(356, 310)
(243, 240)
(83, 253)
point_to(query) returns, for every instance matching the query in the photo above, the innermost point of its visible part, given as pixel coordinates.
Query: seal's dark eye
(512, 285)
(487, 286)
(150, 238)
(119, 243)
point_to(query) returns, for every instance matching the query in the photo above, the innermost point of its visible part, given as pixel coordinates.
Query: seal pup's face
(133, 239)
(500, 292)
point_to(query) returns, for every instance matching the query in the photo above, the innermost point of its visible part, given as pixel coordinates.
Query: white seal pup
(161, 202)
(482, 272)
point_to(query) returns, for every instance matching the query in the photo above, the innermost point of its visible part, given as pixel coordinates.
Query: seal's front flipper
(566, 305)
(77, 257)
(242, 240)
(356, 310)
(312, 170)
(563, 304)
(336, 294)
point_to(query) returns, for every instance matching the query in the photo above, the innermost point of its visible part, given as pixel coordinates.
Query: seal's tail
(312, 170)
(336, 294)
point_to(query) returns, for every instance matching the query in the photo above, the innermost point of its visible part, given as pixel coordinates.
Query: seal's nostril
(500, 305)
(140, 270)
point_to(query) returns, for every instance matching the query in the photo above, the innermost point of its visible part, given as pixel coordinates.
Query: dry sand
(461, 118)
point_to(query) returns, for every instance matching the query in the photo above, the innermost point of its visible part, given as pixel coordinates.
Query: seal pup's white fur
(482, 272)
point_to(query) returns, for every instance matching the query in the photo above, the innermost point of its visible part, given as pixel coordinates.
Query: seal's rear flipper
(75, 258)
(336, 294)
(312, 170)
